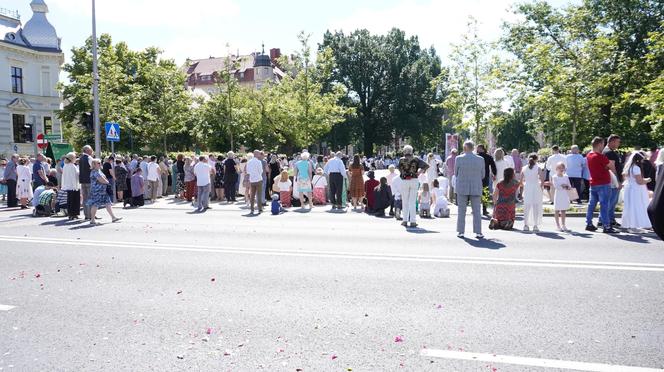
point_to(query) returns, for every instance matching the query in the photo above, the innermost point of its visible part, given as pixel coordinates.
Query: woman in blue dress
(99, 198)
(3, 186)
(303, 171)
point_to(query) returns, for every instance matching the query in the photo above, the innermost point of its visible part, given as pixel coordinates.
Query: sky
(202, 28)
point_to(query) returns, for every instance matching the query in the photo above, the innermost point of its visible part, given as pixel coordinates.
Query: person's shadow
(632, 238)
(418, 230)
(485, 243)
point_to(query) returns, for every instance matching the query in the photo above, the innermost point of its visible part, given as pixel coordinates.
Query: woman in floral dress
(99, 198)
(504, 199)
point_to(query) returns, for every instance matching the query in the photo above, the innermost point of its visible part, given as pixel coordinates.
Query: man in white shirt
(203, 170)
(551, 164)
(255, 172)
(336, 171)
(154, 173)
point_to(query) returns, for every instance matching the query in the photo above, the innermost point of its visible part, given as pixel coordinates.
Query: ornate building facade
(30, 62)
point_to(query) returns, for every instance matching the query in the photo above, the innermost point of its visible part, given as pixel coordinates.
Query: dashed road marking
(533, 362)
(6, 307)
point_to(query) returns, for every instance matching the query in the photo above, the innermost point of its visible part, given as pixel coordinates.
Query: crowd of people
(413, 184)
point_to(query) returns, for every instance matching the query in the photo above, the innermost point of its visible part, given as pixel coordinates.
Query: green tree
(146, 95)
(473, 78)
(580, 67)
(388, 80)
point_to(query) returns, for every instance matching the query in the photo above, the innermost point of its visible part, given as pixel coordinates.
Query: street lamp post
(95, 84)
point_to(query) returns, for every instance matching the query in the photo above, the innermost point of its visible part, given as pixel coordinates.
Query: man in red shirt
(600, 186)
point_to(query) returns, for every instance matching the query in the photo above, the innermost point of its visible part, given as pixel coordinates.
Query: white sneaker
(525, 228)
(460, 235)
(479, 236)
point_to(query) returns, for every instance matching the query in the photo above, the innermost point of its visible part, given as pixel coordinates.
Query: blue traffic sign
(113, 132)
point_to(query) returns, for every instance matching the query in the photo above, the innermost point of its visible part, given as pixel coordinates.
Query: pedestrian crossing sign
(113, 132)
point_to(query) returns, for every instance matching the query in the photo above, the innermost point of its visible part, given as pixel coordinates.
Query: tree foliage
(389, 82)
(474, 81)
(137, 89)
(583, 69)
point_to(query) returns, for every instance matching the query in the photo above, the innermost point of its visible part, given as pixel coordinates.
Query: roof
(209, 66)
(37, 34)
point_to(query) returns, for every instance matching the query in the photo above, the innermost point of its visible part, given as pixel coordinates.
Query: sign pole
(35, 147)
(95, 83)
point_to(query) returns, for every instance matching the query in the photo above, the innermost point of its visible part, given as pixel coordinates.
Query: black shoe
(610, 230)
(591, 228)
(600, 224)
(404, 223)
(615, 224)
(413, 224)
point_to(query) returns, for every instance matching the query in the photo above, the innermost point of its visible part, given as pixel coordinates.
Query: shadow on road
(336, 211)
(581, 234)
(632, 238)
(550, 235)
(61, 222)
(542, 234)
(419, 230)
(485, 243)
(84, 226)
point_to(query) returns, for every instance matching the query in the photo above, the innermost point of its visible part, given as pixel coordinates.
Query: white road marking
(533, 362)
(6, 307)
(624, 266)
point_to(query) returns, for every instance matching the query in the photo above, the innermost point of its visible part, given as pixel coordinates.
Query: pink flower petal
(209, 331)
(334, 357)
(398, 339)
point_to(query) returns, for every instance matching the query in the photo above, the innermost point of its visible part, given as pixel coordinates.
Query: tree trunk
(605, 119)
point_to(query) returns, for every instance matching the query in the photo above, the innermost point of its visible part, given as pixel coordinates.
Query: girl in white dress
(440, 208)
(432, 171)
(23, 184)
(532, 194)
(425, 199)
(561, 201)
(635, 211)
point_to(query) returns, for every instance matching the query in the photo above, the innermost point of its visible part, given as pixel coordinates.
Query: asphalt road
(168, 290)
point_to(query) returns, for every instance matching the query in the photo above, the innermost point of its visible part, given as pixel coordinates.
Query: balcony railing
(10, 13)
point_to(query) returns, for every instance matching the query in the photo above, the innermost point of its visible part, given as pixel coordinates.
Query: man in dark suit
(489, 173)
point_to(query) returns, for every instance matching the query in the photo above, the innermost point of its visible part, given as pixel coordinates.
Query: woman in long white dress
(501, 164)
(23, 182)
(636, 200)
(532, 194)
(432, 171)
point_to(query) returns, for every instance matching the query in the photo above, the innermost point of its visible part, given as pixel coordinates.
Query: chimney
(275, 53)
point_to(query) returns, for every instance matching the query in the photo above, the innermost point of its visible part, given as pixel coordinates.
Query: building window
(48, 125)
(46, 84)
(22, 133)
(17, 80)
